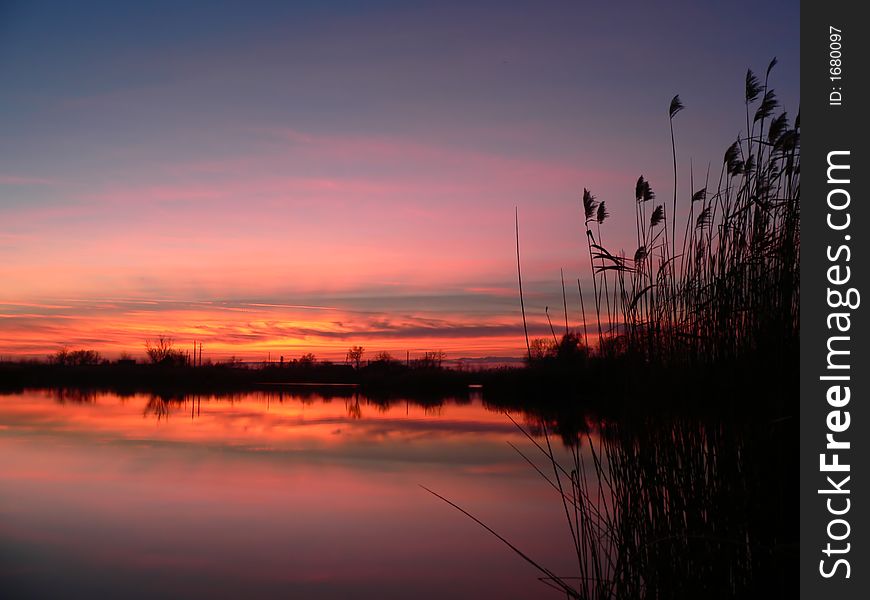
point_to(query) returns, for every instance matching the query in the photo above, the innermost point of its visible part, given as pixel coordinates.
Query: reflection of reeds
(674, 508)
(550, 577)
(668, 508)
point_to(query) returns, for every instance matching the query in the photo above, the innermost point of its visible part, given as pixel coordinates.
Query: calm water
(267, 496)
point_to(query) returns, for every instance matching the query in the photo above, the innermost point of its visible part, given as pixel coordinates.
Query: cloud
(460, 325)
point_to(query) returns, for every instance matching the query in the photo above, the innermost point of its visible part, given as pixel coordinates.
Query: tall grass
(730, 287)
(678, 506)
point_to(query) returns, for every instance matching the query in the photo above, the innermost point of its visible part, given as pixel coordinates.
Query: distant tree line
(75, 358)
(162, 351)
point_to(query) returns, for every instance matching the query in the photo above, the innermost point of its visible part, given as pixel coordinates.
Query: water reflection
(74, 396)
(678, 507)
(316, 494)
(263, 495)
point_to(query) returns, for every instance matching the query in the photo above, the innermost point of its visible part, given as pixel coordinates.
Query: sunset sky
(285, 177)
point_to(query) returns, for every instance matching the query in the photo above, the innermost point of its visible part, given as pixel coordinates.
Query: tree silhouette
(431, 360)
(354, 355)
(75, 358)
(161, 352)
(307, 359)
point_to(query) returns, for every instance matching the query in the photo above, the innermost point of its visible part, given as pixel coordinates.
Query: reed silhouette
(732, 291)
(672, 507)
(687, 499)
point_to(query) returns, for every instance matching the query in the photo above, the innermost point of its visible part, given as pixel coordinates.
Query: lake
(269, 495)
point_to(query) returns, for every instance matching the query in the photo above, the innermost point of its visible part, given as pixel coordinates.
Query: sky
(273, 178)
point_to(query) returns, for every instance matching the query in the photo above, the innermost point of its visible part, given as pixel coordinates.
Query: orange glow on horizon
(255, 331)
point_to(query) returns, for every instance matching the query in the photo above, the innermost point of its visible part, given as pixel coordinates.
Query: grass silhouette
(677, 500)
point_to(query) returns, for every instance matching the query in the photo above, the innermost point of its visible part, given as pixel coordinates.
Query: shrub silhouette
(75, 358)
(161, 352)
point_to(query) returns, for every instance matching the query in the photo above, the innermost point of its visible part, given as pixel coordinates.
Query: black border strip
(828, 126)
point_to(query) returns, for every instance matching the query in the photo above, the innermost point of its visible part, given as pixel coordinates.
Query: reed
(680, 506)
(733, 291)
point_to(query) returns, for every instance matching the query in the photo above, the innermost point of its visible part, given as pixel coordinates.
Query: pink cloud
(304, 215)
